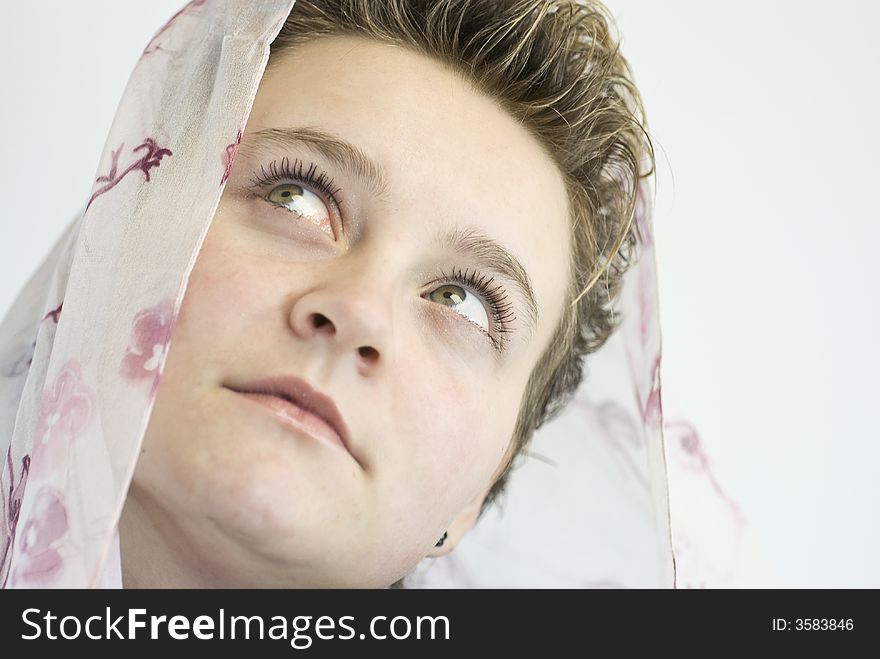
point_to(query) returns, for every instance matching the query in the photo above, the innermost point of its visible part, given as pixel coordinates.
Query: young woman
(341, 261)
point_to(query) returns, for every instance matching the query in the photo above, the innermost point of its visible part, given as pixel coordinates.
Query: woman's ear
(466, 519)
(463, 523)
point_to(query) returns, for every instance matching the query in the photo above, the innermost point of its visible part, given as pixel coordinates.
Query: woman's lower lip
(295, 417)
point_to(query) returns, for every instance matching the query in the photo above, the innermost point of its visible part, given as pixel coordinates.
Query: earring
(442, 540)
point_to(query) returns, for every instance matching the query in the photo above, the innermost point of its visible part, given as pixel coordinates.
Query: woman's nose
(347, 314)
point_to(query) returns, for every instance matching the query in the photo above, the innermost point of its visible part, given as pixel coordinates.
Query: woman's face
(364, 288)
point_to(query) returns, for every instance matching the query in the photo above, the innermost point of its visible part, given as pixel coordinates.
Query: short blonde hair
(556, 68)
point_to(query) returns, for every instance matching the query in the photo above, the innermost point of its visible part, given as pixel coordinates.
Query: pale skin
(351, 300)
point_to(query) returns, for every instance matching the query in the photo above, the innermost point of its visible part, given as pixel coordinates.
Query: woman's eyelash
(313, 177)
(501, 308)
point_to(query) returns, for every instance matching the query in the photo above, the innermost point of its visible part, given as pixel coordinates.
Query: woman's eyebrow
(343, 154)
(493, 257)
(485, 251)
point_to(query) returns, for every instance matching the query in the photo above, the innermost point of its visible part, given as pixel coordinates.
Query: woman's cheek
(458, 460)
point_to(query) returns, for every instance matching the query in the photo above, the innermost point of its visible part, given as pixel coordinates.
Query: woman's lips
(296, 417)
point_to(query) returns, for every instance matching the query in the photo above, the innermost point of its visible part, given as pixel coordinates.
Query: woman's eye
(463, 302)
(304, 203)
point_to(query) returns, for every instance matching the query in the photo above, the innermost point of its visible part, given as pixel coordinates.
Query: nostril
(367, 352)
(319, 320)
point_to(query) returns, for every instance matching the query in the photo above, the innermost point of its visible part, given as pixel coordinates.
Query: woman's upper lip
(300, 392)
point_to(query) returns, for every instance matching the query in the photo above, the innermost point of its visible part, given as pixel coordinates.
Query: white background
(764, 117)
